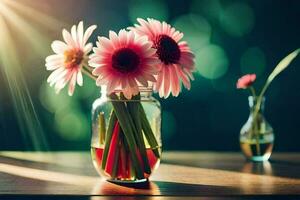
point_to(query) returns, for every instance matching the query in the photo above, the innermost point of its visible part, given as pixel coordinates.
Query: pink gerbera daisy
(124, 62)
(70, 56)
(176, 58)
(245, 81)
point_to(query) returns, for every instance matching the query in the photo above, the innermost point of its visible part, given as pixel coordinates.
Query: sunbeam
(16, 28)
(35, 15)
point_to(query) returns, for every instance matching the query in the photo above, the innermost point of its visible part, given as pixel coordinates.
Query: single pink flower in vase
(246, 81)
(256, 136)
(129, 149)
(176, 59)
(70, 56)
(256, 128)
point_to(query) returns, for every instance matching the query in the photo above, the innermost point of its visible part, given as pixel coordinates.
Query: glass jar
(126, 136)
(256, 136)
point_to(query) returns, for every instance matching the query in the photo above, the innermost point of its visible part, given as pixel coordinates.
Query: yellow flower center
(73, 58)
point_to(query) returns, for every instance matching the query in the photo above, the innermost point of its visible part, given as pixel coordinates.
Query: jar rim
(251, 97)
(142, 89)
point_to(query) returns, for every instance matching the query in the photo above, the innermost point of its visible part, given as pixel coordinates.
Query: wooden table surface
(191, 174)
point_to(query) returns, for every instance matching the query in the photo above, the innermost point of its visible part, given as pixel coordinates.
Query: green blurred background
(229, 38)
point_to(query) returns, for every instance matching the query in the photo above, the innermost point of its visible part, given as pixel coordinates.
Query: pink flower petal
(54, 65)
(74, 35)
(114, 38)
(166, 82)
(123, 37)
(68, 38)
(60, 84)
(175, 85)
(72, 84)
(177, 36)
(55, 73)
(88, 48)
(79, 78)
(142, 80)
(59, 47)
(184, 78)
(106, 43)
(58, 77)
(80, 34)
(158, 83)
(88, 33)
(54, 57)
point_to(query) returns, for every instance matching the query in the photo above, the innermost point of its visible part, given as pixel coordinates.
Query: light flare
(18, 30)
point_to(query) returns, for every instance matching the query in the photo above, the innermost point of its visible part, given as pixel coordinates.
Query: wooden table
(71, 175)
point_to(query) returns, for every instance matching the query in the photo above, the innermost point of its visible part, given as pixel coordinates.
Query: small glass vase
(126, 136)
(256, 136)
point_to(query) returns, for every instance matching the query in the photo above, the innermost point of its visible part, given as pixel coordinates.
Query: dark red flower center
(73, 58)
(167, 49)
(125, 60)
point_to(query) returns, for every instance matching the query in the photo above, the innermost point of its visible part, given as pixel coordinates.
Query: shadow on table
(163, 188)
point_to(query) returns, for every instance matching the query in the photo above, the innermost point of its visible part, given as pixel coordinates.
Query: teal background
(230, 38)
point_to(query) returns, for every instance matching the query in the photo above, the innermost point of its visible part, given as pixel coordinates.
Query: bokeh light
(210, 8)
(211, 61)
(147, 8)
(237, 19)
(196, 29)
(71, 124)
(52, 101)
(89, 91)
(253, 61)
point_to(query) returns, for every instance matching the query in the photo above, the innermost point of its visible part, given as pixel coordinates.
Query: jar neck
(252, 104)
(144, 92)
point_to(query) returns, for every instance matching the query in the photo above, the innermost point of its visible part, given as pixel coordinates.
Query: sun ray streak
(28, 121)
(42, 18)
(45, 175)
(36, 39)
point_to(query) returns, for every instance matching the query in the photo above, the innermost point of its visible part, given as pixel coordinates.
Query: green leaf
(283, 64)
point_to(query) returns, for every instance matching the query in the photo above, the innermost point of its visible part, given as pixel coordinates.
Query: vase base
(260, 158)
(128, 182)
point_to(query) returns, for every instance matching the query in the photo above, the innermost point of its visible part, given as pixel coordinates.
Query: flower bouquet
(128, 66)
(256, 137)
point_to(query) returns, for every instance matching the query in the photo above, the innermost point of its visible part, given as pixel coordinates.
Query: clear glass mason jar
(256, 136)
(126, 136)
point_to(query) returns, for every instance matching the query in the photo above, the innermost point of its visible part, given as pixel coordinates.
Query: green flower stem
(101, 127)
(116, 161)
(111, 124)
(133, 108)
(254, 121)
(256, 134)
(148, 132)
(113, 153)
(122, 154)
(252, 91)
(126, 125)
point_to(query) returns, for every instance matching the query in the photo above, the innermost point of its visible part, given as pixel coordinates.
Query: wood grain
(180, 174)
